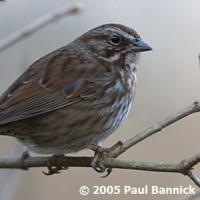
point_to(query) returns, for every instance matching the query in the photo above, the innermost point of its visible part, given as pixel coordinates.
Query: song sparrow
(75, 96)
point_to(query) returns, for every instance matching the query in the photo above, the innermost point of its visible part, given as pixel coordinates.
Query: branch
(195, 107)
(194, 177)
(194, 196)
(183, 167)
(109, 159)
(40, 23)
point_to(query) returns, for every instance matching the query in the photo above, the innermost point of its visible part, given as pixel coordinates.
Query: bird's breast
(119, 96)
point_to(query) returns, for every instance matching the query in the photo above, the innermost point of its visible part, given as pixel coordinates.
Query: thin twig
(195, 107)
(40, 23)
(194, 196)
(194, 177)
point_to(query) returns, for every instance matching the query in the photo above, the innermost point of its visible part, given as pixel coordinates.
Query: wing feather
(28, 96)
(55, 81)
(35, 106)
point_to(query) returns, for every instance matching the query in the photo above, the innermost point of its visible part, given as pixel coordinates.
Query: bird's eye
(115, 39)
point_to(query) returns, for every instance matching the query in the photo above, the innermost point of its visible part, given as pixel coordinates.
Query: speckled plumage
(75, 96)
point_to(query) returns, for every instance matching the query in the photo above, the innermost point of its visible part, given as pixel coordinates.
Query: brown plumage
(76, 95)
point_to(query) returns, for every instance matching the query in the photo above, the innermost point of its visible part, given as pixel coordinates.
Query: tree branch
(40, 23)
(109, 159)
(194, 196)
(195, 107)
(195, 178)
(183, 167)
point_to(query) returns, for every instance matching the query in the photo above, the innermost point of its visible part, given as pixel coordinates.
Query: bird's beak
(140, 45)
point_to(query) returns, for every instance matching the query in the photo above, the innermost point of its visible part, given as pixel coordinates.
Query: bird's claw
(99, 167)
(52, 169)
(108, 172)
(99, 152)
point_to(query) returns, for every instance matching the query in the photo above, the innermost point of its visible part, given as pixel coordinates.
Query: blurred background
(168, 80)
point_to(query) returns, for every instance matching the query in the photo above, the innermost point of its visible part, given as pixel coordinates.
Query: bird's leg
(98, 153)
(52, 168)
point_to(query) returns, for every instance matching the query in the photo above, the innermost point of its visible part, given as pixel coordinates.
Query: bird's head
(110, 41)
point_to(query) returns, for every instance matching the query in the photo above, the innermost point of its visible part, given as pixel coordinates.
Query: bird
(76, 96)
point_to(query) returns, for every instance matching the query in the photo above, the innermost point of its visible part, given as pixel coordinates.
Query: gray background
(168, 80)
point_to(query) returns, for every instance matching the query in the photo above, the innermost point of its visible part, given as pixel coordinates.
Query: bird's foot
(100, 152)
(52, 168)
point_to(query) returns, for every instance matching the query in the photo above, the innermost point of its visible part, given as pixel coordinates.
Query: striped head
(110, 41)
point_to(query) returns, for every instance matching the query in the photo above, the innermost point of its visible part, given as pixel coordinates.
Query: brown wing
(49, 84)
